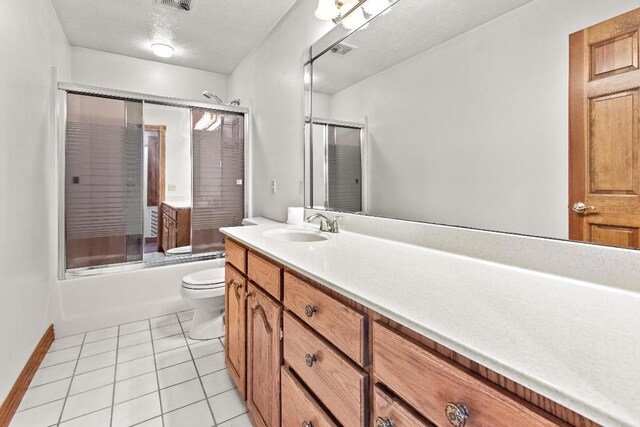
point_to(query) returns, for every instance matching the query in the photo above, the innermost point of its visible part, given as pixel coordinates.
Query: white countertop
(178, 204)
(574, 342)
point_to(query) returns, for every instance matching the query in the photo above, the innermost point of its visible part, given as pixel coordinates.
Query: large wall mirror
(517, 116)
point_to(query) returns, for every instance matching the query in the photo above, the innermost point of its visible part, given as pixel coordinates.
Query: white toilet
(204, 291)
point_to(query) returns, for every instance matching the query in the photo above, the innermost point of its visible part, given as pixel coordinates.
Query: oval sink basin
(300, 236)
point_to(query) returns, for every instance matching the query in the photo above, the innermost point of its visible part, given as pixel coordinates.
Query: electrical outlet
(171, 187)
(274, 187)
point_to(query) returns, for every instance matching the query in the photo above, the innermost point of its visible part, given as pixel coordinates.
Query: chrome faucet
(325, 223)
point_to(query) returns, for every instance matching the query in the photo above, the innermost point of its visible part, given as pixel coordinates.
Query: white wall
(103, 69)
(474, 131)
(270, 79)
(33, 42)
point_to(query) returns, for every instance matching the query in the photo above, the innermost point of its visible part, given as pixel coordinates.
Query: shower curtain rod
(156, 99)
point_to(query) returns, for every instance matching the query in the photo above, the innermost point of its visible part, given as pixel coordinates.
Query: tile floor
(146, 373)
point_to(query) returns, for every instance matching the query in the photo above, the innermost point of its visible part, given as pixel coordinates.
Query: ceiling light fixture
(162, 50)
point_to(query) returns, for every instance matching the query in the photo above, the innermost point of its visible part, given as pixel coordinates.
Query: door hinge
(281, 334)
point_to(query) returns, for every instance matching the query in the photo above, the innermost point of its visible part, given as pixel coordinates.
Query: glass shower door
(218, 177)
(103, 181)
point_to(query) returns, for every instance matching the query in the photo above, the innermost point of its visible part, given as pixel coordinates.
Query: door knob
(581, 208)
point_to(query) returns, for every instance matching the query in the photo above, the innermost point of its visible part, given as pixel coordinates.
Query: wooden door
(604, 145)
(264, 357)
(235, 328)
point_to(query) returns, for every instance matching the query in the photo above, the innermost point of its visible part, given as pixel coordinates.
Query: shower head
(210, 95)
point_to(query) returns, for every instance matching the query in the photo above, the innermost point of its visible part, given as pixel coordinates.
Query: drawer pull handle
(310, 310)
(307, 424)
(310, 359)
(383, 422)
(457, 414)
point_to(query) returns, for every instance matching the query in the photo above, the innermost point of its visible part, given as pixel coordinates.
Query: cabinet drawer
(390, 411)
(339, 384)
(298, 406)
(432, 384)
(339, 324)
(265, 274)
(235, 255)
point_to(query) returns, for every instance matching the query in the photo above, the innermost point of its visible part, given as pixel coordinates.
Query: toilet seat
(212, 278)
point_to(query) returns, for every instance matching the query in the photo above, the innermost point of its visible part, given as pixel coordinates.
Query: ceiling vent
(178, 4)
(342, 49)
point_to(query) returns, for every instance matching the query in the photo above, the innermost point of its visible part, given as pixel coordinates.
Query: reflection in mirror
(167, 181)
(463, 107)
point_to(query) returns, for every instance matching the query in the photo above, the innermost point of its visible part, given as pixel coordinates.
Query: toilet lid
(210, 277)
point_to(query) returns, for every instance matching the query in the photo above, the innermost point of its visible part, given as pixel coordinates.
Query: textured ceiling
(412, 26)
(215, 35)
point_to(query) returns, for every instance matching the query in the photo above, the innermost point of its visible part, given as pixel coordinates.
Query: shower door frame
(61, 97)
(311, 121)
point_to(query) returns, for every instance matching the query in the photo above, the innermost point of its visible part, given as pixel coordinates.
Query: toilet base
(206, 324)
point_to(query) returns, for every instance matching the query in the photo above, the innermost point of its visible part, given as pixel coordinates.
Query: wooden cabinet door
(165, 233)
(604, 133)
(264, 357)
(235, 349)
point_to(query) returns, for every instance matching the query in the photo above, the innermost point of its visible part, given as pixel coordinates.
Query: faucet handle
(334, 224)
(324, 224)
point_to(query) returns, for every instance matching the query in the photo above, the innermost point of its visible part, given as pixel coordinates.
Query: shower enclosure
(334, 165)
(105, 181)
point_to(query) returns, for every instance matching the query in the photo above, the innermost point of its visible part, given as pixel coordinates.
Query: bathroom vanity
(175, 223)
(308, 346)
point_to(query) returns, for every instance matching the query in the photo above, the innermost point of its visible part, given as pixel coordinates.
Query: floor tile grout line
(135, 321)
(64, 404)
(153, 349)
(127, 361)
(115, 376)
(237, 416)
(107, 407)
(84, 415)
(39, 405)
(204, 390)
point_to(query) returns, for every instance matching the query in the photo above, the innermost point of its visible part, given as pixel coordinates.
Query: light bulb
(374, 7)
(162, 50)
(327, 10)
(354, 20)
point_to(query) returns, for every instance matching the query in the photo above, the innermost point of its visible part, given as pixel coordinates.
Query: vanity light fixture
(162, 50)
(351, 14)
(374, 7)
(331, 10)
(355, 19)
